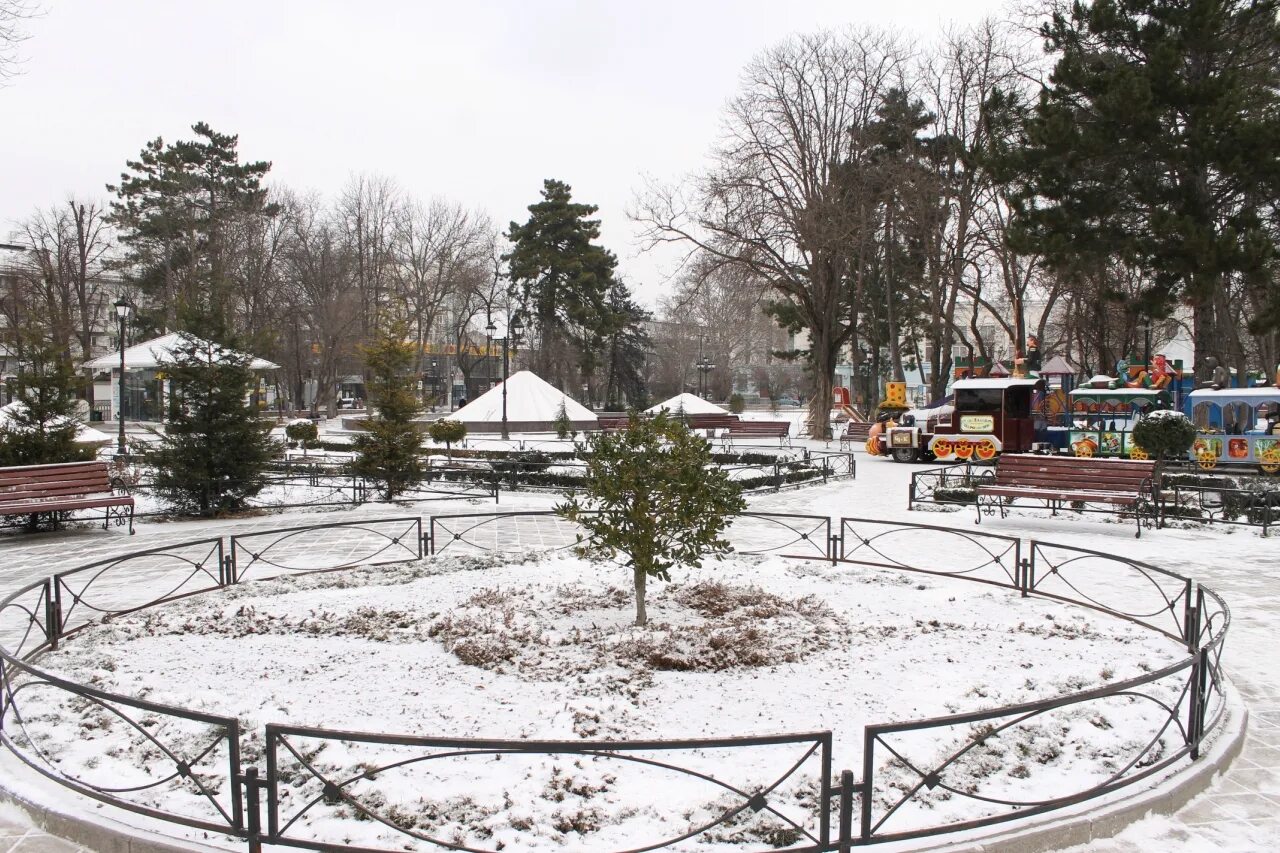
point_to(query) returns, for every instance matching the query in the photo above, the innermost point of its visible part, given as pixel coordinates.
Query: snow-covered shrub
(1165, 434)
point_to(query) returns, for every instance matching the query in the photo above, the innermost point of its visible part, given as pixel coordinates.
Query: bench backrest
(710, 421)
(30, 482)
(1066, 472)
(857, 429)
(761, 427)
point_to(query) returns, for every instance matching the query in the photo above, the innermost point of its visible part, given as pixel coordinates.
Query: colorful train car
(986, 416)
(1102, 419)
(1236, 427)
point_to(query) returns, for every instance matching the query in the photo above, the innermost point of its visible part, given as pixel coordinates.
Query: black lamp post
(122, 312)
(514, 327)
(705, 366)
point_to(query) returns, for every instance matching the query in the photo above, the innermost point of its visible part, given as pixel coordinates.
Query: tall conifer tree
(1155, 142)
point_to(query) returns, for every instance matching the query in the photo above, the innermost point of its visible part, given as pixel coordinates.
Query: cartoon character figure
(1122, 374)
(1158, 377)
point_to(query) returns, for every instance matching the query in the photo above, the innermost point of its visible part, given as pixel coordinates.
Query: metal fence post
(845, 837)
(253, 809)
(52, 615)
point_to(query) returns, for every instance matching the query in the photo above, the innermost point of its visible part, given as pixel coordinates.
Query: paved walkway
(1239, 814)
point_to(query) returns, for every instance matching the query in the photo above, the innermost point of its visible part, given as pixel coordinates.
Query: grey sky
(475, 101)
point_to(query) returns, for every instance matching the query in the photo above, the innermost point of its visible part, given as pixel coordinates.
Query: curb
(1046, 833)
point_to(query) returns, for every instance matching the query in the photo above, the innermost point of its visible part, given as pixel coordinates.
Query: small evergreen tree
(736, 404)
(562, 423)
(652, 493)
(387, 452)
(215, 448)
(447, 432)
(1165, 435)
(41, 427)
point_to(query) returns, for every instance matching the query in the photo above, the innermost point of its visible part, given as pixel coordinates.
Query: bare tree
(67, 288)
(440, 249)
(774, 202)
(367, 211)
(320, 274)
(12, 14)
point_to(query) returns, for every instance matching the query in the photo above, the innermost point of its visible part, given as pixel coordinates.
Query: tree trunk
(642, 617)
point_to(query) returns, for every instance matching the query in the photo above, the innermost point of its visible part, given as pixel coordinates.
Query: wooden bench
(711, 422)
(855, 432)
(51, 490)
(1058, 480)
(612, 424)
(780, 430)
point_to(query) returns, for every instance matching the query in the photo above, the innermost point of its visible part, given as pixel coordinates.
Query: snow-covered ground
(1236, 561)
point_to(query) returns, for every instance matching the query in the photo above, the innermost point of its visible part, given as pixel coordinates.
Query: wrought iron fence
(983, 557)
(184, 766)
(950, 484)
(324, 547)
(1220, 505)
(311, 797)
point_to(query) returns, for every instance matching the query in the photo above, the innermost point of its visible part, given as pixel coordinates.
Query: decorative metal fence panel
(786, 534)
(134, 581)
(982, 557)
(507, 531)
(335, 790)
(157, 760)
(932, 776)
(1129, 589)
(325, 547)
(950, 484)
(26, 619)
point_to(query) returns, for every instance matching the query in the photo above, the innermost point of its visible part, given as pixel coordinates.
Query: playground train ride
(985, 417)
(1236, 427)
(1102, 419)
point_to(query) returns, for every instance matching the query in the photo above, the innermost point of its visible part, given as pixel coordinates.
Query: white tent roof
(151, 354)
(690, 403)
(529, 398)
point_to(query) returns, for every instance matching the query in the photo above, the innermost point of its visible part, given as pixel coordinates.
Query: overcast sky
(473, 100)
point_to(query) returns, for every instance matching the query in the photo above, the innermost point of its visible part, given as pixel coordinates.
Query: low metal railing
(914, 773)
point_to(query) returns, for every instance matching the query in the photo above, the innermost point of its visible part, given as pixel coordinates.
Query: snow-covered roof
(1226, 396)
(690, 404)
(1058, 366)
(529, 398)
(151, 354)
(1122, 392)
(991, 382)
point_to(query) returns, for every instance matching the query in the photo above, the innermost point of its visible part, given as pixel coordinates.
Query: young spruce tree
(215, 448)
(387, 452)
(41, 427)
(652, 493)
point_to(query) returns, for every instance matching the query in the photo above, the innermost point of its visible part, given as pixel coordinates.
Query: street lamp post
(122, 312)
(705, 366)
(514, 327)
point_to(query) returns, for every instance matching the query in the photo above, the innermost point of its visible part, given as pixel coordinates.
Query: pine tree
(652, 493)
(563, 279)
(41, 426)
(178, 208)
(1155, 142)
(387, 452)
(627, 346)
(215, 449)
